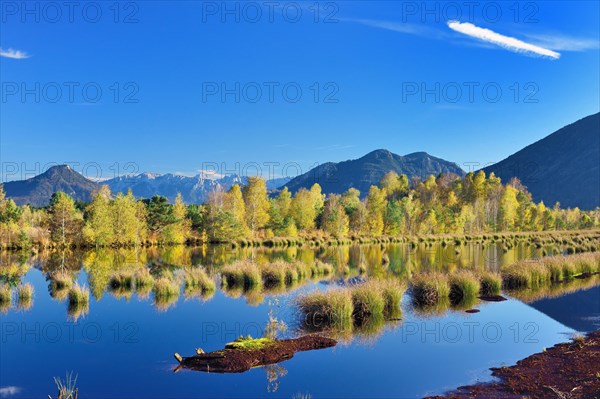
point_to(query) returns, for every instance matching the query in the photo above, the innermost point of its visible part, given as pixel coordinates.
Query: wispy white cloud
(564, 43)
(507, 42)
(14, 54)
(5, 392)
(412, 29)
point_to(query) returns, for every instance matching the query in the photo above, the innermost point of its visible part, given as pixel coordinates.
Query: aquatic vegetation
(122, 279)
(165, 288)
(325, 309)
(344, 306)
(60, 284)
(464, 287)
(320, 269)
(555, 290)
(66, 389)
(79, 294)
(143, 282)
(78, 306)
(166, 293)
(430, 288)
(366, 301)
(198, 279)
(491, 283)
(241, 273)
(25, 296)
(249, 343)
(552, 269)
(5, 297)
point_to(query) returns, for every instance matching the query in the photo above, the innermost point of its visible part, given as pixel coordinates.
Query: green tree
(303, 210)
(178, 231)
(65, 220)
(335, 221)
(257, 203)
(233, 202)
(376, 203)
(99, 224)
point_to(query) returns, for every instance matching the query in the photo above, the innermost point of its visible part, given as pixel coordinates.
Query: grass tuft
(491, 283)
(430, 288)
(464, 287)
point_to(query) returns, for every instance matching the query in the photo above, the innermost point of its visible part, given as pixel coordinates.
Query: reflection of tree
(274, 373)
(13, 267)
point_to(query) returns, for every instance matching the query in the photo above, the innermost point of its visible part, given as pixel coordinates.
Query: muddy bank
(230, 360)
(570, 370)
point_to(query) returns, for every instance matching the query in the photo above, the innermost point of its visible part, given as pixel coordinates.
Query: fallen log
(242, 355)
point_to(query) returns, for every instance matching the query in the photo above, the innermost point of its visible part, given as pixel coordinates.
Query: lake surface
(123, 345)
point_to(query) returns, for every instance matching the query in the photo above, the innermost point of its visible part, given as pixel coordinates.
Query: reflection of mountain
(579, 310)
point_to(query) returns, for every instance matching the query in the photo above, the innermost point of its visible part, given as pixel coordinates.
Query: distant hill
(38, 190)
(364, 172)
(563, 167)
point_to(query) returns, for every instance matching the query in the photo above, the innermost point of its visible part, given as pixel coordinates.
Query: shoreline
(566, 370)
(538, 238)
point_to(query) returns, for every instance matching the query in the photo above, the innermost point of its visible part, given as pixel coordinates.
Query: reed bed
(552, 269)
(343, 307)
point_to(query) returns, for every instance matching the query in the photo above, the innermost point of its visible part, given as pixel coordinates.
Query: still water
(123, 345)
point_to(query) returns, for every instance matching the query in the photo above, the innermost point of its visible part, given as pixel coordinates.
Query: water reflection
(144, 264)
(174, 315)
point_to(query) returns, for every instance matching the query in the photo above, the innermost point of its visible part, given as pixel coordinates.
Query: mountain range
(563, 167)
(364, 172)
(194, 190)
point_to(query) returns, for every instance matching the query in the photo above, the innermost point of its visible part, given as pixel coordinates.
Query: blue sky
(464, 84)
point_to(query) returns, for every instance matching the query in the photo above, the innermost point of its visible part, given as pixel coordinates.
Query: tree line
(446, 204)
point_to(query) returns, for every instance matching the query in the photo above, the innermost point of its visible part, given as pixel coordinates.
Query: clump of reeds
(367, 301)
(325, 309)
(464, 287)
(375, 299)
(5, 297)
(60, 284)
(491, 283)
(243, 274)
(25, 295)
(552, 269)
(165, 288)
(430, 288)
(79, 294)
(143, 282)
(166, 292)
(122, 280)
(66, 389)
(320, 269)
(79, 298)
(197, 281)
